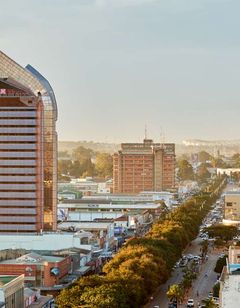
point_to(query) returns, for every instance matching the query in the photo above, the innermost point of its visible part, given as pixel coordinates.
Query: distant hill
(69, 146)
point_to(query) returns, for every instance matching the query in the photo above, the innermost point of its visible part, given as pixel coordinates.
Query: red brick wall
(18, 269)
(64, 267)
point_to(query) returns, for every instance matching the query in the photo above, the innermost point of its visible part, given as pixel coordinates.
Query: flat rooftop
(32, 258)
(106, 206)
(85, 225)
(53, 241)
(231, 292)
(6, 279)
(232, 192)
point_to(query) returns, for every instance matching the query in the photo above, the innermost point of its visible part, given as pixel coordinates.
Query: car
(183, 263)
(197, 258)
(172, 304)
(189, 256)
(190, 302)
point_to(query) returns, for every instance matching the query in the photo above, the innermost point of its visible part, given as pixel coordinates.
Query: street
(201, 286)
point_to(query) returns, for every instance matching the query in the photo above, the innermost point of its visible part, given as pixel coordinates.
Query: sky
(117, 66)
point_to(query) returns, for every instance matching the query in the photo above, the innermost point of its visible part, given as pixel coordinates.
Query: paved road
(205, 280)
(159, 297)
(202, 285)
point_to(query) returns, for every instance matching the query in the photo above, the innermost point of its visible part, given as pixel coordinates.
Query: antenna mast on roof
(145, 135)
(162, 135)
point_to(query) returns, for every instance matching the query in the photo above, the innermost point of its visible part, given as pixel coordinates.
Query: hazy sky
(116, 65)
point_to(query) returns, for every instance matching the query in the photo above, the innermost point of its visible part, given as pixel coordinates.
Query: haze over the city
(116, 65)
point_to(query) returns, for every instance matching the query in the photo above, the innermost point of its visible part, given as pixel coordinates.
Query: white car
(190, 302)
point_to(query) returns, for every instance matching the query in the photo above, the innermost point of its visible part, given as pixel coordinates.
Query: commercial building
(86, 187)
(144, 166)
(232, 207)
(43, 272)
(28, 146)
(33, 299)
(229, 294)
(12, 291)
(97, 234)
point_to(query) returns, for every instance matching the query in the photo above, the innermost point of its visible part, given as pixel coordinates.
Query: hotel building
(146, 166)
(28, 147)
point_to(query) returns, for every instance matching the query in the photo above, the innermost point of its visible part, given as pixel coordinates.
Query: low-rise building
(12, 291)
(39, 271)
(98, 234)
(33, 299)
(232, 207)
(229, 294)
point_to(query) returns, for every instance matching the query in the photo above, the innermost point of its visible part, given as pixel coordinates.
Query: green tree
(204, 248)
(218, 163)
(221, 262)
(223, 232)
(104, 164)
(203, 172)
(175, 292)
(64, 167)
(204, 156)
(185, 171)
(216, 289)
(209, 303)
(236, 159)
(82, 154)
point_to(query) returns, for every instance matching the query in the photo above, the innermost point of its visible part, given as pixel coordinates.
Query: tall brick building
(144, 166)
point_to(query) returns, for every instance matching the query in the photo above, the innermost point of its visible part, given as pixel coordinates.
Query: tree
(188, 277)
(218, 163)
(104, 164)
(221, 262)
(203, 172)
(209, 303)
(204, 248)
(236, 159)
(82, 154)
(185, 171)
(64, 166)
(204, 156)
(223, 232)
(175, 292)
(216, 289)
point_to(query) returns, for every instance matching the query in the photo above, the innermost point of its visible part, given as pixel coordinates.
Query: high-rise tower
(28, 149)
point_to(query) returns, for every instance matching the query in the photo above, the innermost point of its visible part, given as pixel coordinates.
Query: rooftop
(55, 241)
(231, 292)
(6, 279)
(232, 192)
(32, 258)
(85, 225)
(89, 205)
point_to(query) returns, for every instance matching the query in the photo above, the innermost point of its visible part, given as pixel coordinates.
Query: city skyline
(117, 66)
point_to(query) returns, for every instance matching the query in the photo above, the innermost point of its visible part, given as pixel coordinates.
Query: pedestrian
(197, 294)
